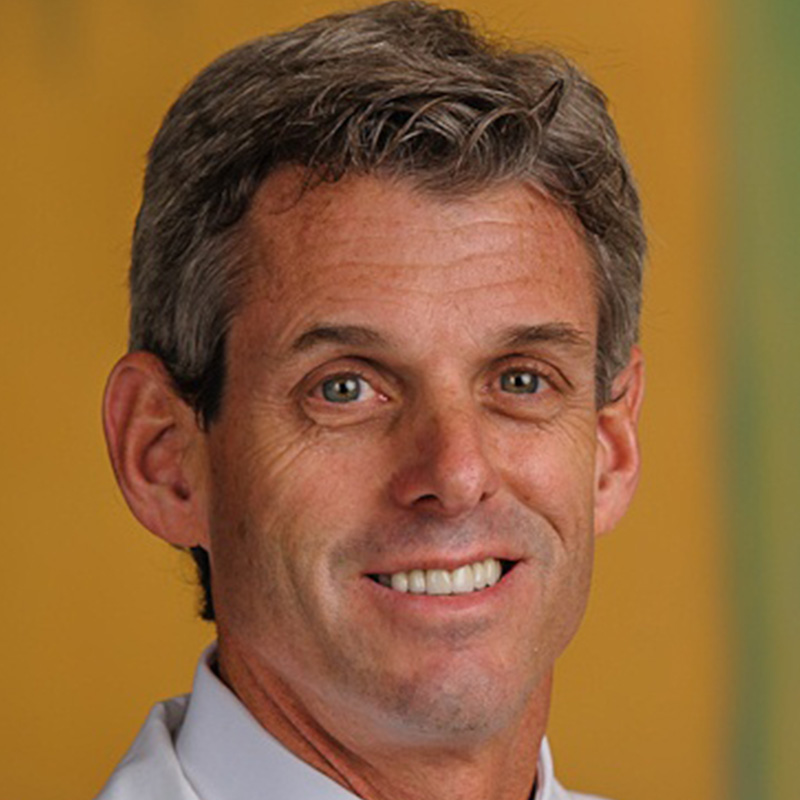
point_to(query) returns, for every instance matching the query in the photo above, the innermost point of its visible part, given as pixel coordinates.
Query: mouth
(465, 579)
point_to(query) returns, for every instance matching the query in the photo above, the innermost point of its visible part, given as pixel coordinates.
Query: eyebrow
(350, 335)
(559, 333)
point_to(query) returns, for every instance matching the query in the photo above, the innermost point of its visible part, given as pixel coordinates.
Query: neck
(501, 766)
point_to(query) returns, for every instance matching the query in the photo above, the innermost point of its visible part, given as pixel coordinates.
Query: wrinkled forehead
(374, 254)
(301, 232)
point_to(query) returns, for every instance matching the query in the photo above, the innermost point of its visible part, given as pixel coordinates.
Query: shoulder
(150, 769)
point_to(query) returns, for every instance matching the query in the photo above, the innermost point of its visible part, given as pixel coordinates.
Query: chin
(463, 707)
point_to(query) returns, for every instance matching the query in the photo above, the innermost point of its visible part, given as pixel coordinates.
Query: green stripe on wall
(763, 361)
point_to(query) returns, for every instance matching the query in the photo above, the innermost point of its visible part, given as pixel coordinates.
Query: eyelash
(541, 374)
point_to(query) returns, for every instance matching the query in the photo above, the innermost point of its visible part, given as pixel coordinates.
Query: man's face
(410, 392)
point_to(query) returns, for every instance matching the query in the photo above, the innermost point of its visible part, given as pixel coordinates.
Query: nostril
(425, 498)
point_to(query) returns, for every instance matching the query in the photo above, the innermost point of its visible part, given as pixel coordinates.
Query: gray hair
(404, 89)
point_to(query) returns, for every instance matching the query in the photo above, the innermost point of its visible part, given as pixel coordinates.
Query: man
(383, 383)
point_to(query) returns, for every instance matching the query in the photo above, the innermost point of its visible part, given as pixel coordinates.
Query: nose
(444, 465)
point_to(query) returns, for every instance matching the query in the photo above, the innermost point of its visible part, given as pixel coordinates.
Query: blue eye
(343, 389)
(520, 382)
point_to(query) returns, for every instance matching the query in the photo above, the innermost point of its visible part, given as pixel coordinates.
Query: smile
(462, 580)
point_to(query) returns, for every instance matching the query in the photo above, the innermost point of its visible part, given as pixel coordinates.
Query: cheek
(335, 475)
(280, 504)
(551, 469)
(252, 517)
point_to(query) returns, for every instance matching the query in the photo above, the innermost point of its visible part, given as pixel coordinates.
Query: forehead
(385, 247)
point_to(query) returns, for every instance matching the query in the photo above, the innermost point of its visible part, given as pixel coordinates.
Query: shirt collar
(227, 755)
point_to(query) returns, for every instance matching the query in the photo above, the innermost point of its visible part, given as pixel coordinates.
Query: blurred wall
(760, 250)
(99, 616)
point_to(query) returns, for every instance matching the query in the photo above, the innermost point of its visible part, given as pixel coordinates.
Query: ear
(617, 461)
(157, 449)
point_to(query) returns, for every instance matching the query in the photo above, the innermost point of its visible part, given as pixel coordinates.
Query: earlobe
(157, 450)
(617, 462)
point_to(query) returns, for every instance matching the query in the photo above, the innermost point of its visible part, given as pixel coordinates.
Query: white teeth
(416, 581)
(437, 581)
(399, 581)
(462, 580)
(479, 575)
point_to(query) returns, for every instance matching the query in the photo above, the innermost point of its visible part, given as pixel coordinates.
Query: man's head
(393, 274)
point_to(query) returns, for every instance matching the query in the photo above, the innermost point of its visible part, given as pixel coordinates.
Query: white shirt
(207, 746)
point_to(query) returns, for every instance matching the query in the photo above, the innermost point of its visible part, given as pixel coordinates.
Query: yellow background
(98, 616)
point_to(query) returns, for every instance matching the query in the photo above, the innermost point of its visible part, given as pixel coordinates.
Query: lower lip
(445, 604)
